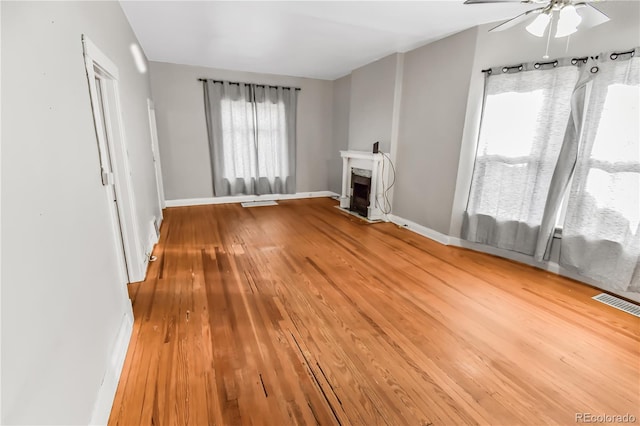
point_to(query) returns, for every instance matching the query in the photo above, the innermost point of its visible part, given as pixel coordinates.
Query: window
(238, 129)
(507, 154)
(613, 176)
(523, 123)
(264, 151)
(533, 146)
(601, 232)
(251, 137)
(272, 138)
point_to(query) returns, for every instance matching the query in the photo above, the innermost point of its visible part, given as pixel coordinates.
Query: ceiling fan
(567, 14)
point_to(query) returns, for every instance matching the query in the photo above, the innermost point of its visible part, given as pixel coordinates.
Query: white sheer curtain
(524, 120)
(601, 233)
(275, 122)
(252, 137)
(238, 168)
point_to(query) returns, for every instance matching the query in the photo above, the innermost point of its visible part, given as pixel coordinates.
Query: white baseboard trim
(419, 229)
(549, 266)
(107, 391)
(458, 242)
(511, 255)
(140, 273)
(248, 198)
(152, 240)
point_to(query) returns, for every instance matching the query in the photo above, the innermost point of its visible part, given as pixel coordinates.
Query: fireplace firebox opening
(360, 190)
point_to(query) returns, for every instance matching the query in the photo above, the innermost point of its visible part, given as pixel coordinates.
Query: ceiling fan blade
(591, 16)
(517, 20)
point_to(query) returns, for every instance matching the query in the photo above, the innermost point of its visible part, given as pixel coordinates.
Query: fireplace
(360, 190)
(361, 183)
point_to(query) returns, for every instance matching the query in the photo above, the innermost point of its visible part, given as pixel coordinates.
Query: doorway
(114, 172)
(155, 150)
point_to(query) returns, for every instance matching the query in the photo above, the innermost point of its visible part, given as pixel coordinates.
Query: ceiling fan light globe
(539, 25)
(568, 21)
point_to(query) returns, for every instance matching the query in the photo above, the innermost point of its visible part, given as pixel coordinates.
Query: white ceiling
(316, 39)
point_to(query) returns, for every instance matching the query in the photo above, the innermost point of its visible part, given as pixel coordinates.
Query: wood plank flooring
(302, 314)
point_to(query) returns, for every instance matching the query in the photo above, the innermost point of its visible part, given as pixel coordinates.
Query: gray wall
(371, 105)
(182, 132)
(62, 303)
(340, 135)
(432, 113)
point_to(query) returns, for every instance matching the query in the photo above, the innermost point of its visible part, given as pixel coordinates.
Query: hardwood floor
(302, 314)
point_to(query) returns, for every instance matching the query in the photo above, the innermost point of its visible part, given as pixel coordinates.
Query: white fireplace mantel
(367, 161)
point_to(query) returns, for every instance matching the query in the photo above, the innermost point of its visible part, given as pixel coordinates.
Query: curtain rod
(238, 83)
(537, 65)
(574, 61)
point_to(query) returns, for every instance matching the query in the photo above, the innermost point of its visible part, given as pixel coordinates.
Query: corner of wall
(341, 101)
(468, 143)
(395, 121)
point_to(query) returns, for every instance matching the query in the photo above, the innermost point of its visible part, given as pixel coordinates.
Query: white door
(156, 154)
(102, 76)
(108, 166)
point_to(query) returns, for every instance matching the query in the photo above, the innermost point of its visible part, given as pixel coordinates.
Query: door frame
(155, 150)
(133, 270)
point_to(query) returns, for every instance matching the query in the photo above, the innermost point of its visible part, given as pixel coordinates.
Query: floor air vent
(617, 303)
(259, 203)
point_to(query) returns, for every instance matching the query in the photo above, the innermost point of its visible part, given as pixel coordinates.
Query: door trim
(134, 270)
